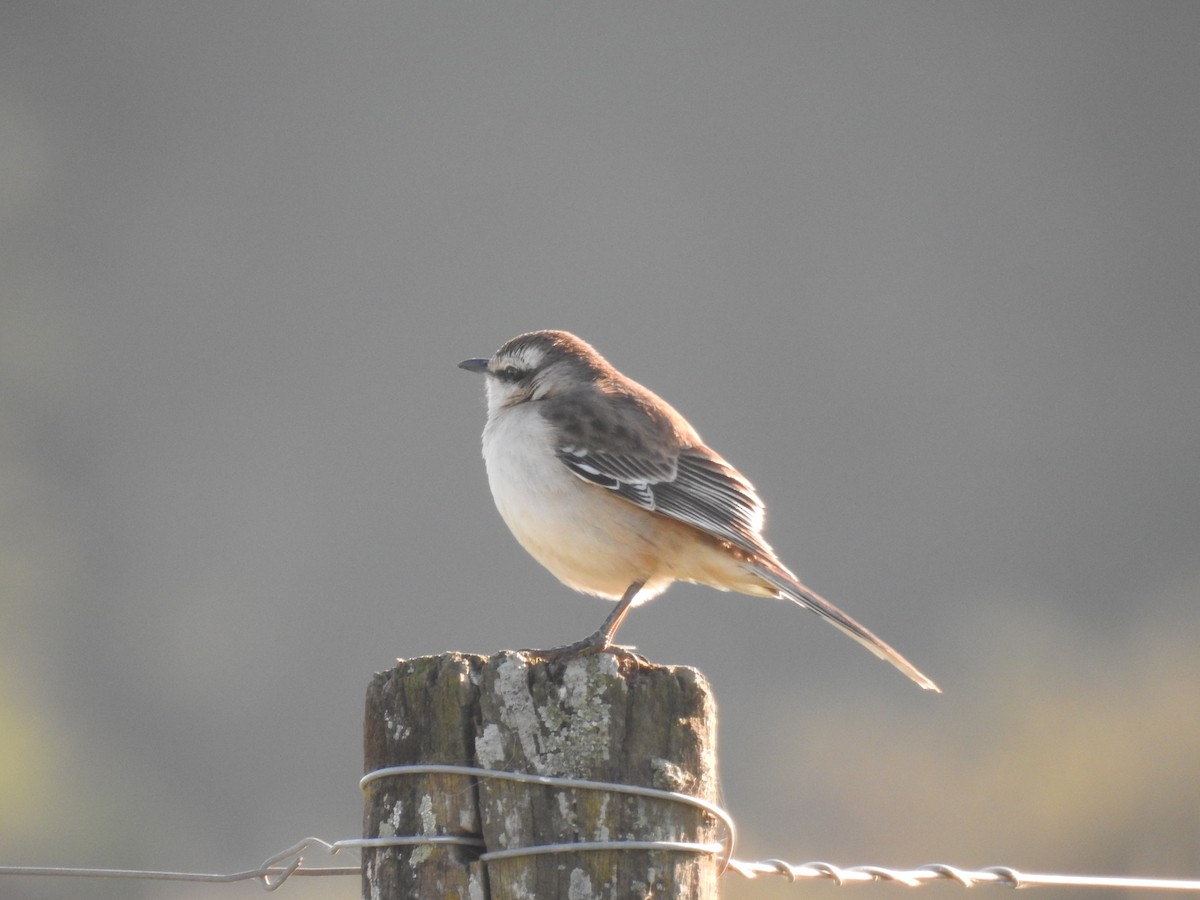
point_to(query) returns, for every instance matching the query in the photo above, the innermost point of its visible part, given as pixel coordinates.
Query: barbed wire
(283, 865)
(278, 868)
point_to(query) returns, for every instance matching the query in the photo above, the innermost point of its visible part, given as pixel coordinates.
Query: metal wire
(723, 850)
(1005, 876)
(277, 869)
(270, 872)
(274, 873)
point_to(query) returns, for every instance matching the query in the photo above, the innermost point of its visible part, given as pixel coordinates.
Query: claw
(595, 643)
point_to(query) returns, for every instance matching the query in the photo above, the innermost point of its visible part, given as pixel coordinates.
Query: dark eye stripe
(510, 374)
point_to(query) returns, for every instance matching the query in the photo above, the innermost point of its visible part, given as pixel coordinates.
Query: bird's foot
(595, 643)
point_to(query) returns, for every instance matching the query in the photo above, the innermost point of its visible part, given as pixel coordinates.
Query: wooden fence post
(596, 718)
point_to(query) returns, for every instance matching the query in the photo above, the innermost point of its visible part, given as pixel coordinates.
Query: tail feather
(784, 582)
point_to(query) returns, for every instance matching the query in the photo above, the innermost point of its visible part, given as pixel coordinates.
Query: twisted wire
(278, 868)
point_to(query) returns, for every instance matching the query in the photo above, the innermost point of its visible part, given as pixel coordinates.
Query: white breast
(526, 478)
(578, 531)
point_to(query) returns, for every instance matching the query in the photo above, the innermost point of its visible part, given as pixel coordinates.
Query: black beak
(474, 365)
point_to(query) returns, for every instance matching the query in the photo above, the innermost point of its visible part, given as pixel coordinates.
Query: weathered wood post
(596, 718)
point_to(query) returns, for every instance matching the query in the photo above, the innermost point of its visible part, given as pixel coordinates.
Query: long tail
(787, 585)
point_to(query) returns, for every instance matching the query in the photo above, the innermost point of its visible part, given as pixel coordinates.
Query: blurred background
(928, 273)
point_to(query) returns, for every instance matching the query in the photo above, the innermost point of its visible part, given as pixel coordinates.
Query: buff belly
(589, 538)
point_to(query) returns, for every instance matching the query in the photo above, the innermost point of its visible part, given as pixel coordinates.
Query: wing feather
(697, 487)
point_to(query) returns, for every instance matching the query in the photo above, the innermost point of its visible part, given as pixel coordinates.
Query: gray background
(927, 272)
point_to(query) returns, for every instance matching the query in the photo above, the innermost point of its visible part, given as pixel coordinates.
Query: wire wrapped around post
(569, 732)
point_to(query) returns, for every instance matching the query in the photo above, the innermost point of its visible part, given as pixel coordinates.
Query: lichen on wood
(598, 718)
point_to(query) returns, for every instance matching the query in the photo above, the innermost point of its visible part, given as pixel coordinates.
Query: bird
(612, 490)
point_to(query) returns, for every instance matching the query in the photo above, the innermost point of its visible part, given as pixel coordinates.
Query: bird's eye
(509, 373)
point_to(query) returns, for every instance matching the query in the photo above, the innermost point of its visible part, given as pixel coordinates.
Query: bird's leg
(604, 636)
(602, 639)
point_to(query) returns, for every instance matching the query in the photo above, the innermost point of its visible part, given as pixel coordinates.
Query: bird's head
(538, 365)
